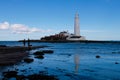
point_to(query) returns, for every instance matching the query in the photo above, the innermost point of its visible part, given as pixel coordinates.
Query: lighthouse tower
(76, 25)
(76, 36)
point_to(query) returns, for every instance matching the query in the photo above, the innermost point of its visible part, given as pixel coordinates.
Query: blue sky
(22, 19)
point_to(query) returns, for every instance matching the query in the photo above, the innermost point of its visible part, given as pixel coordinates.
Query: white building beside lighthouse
(76, 36)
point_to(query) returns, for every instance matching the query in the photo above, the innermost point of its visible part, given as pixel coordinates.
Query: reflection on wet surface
(77, 62)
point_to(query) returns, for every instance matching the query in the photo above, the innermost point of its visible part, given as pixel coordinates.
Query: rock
(10, 74)
(30, 68)
(28, 60)
(69, 54)
(113, 52)
(23, 70)
(97, 56)
(41, 77)
(39, 53)
(116, 63)
(39, 56)
(13, 75)
(47, 51)
(42, 52)
(20, 77)
(3, 46)
(17, 69)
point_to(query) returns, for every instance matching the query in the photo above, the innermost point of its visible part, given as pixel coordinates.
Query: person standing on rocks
(24, 42)
(29, 46)
(28, 42)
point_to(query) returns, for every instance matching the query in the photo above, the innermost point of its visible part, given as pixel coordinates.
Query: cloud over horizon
(21, 28)
(4, 25)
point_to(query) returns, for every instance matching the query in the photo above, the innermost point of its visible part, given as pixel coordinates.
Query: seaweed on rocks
(13, 74)
(39, 56)
(41, 77)
(116, 63)
(97, 56)
(28, 60)
(47, 51)
(42, 52)
(10, 74)
(39, 53)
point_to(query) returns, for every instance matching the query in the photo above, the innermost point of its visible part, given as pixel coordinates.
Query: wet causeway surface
(72, 61)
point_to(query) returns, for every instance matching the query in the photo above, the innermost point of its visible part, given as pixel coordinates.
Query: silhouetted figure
(29, 46)
(28, 42)
(24, 42)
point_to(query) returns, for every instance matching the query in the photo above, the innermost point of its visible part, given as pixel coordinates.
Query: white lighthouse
(76, 25)
(76, 36)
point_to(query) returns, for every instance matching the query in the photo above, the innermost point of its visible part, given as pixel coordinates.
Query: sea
(71, 61)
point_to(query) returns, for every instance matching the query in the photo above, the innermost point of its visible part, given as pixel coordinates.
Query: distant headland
(65, 35)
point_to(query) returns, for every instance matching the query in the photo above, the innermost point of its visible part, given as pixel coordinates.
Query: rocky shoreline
(12, 55)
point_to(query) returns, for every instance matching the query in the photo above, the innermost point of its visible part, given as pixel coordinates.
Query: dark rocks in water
(97, 56)
(113, 52)
(3, 46)
(10, 74)
(16, 69)
(39, 56)
(23, 70)
(28, 60)
(116, 63)
(20, 77)
(42, 52)
(69, 54)
(43, 72)
(67, 74)
(30, 68)
(41, 77)
(47, 51)
(116, 52)
(32, 77)
(39, 53)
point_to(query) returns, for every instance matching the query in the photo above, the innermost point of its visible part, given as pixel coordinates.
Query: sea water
(72, 61)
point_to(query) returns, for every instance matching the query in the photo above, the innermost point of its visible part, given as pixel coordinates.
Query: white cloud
(34, 30)
(4, 25)
(20, 28)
